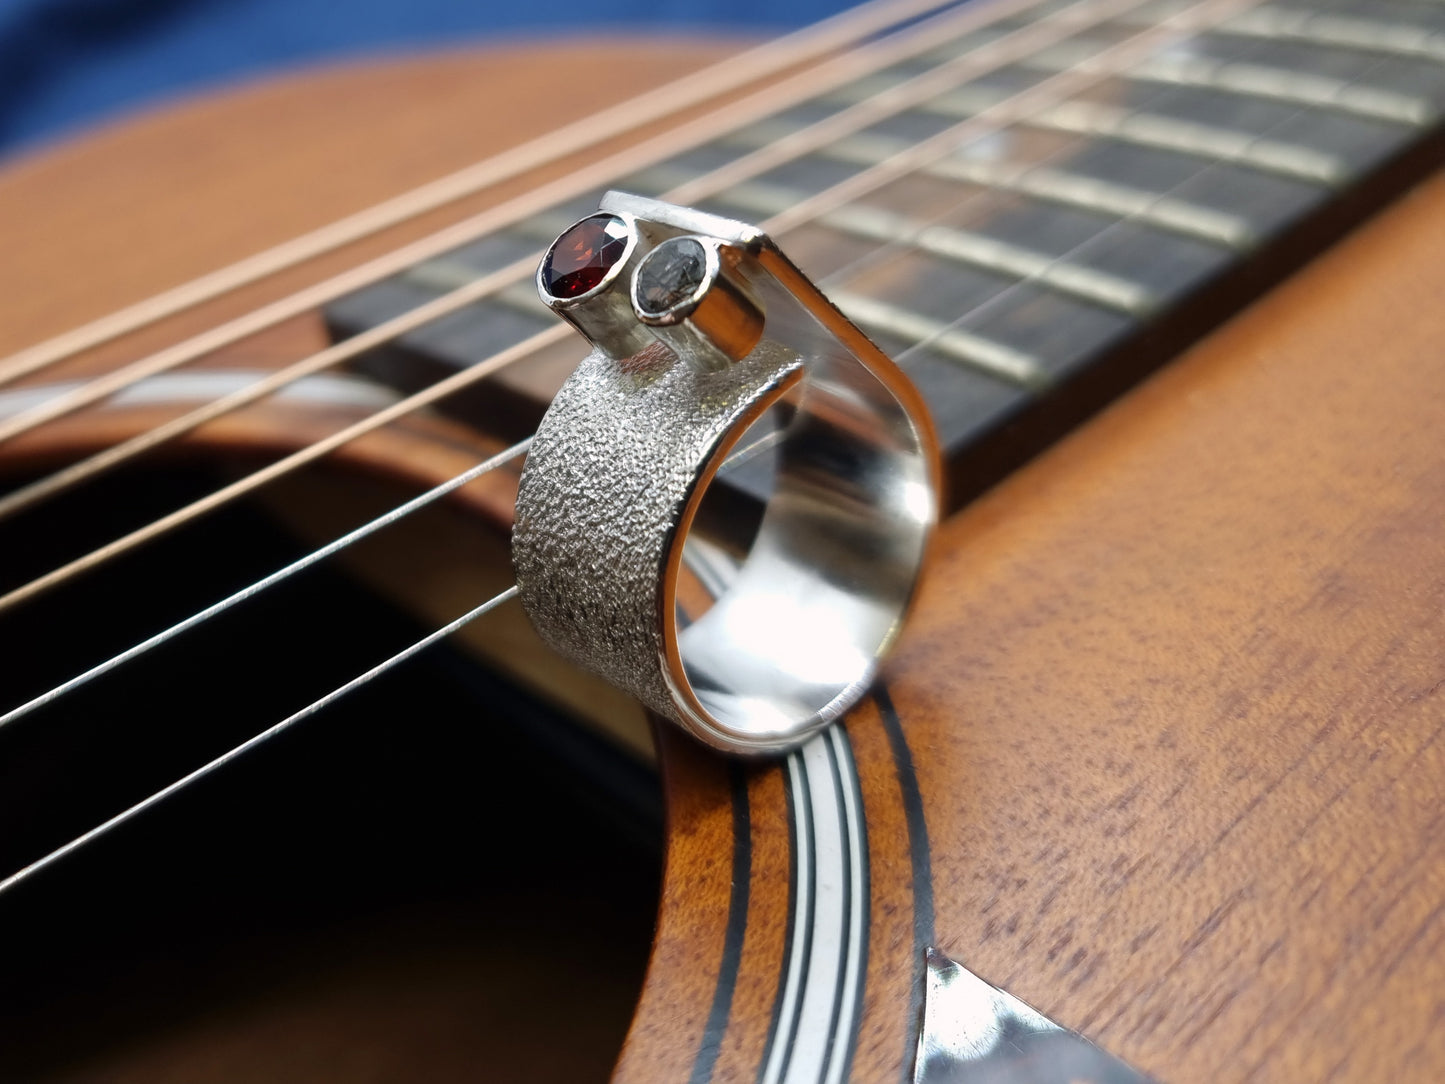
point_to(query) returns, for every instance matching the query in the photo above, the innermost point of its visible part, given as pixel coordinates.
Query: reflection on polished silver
(974, 1033)
(700, 327)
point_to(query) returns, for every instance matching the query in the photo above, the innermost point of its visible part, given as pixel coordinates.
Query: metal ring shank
(615, 476)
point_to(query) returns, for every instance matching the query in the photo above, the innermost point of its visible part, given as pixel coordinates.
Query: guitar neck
(1029, 214)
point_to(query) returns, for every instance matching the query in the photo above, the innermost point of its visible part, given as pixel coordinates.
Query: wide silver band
(755, 651)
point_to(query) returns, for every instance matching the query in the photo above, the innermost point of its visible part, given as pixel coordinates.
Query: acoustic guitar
(1158, 752)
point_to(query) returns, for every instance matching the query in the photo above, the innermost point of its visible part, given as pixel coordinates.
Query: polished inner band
(604, 545)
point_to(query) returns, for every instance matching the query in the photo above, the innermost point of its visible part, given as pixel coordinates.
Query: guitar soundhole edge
(397, 876)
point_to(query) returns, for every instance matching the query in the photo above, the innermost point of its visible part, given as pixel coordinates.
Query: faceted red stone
(583, 255)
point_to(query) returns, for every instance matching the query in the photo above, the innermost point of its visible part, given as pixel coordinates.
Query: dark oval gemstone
(582, 256)
(671, 273)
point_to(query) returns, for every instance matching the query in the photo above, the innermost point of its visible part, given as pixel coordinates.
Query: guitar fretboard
(1041, 263)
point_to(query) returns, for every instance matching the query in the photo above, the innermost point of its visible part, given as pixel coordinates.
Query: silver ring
(711, 349)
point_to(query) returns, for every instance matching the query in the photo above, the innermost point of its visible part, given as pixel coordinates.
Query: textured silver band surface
(608, 478)
(618, 469)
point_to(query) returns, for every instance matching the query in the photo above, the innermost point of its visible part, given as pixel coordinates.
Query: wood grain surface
(108, 219)
(1176, 695)
(1172, 694)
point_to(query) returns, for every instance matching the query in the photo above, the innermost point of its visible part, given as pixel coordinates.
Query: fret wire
(280, 575)
(887, 321)
(1020, 106)
(98, 389)
(26, 872)
(960, 246)
(803, 46)
(911, 92)
(1281, 84)
(541, 199)
(959, 344)
(1348, 31)
(952, 341)
(1040, 180)
(1259, 81)
(1164, 133)
(390, 517)
(872, 56)
(1092, 194)
(316, 706)
(1169, 133)
(798, 215)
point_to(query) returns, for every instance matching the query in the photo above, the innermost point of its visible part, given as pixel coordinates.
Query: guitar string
(946, 141)
(316, 706)
(250, 591)
(356, 535)
(99, 388)
(940, 145)
(26, 872)
(800, 143)
(1001, 298)
(69, 477)
(50, 858)
(447, 487)
(505, 456)
(722, 77)
(280, 467)
(861, 61)
(1106, 64)
(265, 583)
(978, 312)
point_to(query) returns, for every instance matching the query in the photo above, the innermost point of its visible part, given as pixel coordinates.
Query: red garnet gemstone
(583, 255)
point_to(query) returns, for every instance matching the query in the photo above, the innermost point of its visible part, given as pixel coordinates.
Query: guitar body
(1159, 751)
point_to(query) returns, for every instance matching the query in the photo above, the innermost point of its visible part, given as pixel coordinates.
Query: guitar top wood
(1159, 751)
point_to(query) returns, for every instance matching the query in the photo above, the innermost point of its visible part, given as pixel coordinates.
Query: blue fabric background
(68, 63)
